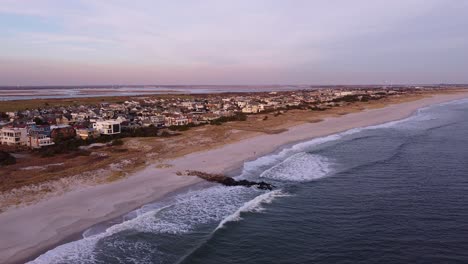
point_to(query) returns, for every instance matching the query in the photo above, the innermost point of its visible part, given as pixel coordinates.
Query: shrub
(117, 142)
(6, 159)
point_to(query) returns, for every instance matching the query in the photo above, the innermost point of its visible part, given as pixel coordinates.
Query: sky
(83, 42)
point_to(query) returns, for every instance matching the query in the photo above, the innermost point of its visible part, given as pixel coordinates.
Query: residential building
(107, 127)
(14, 136)
(39, 141)
(85, 133)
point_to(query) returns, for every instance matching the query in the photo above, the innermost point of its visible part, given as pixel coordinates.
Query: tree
(38, 121)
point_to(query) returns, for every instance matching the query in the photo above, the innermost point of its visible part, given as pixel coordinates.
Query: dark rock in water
(228, 181)
(6, 158)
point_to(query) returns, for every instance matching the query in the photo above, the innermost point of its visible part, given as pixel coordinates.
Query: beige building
(85, 133)
(14, 136)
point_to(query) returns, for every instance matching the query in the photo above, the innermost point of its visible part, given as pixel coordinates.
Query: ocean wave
(185, 213)
(81, 251)
(264, 163)
(254, 205)
(301, 167)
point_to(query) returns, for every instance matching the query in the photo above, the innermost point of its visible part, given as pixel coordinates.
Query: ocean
(391, 193)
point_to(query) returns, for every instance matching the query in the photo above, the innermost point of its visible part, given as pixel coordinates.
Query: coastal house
(176, 120)
(39, 129)
(188, 105)
(107, 127)
(345, 93)
(252, 108)
(157, 121)
(241, 104)
(62, 132)
(36, 141)
(14, 136)
(11, 114)
(79, 117)
(62, 120)
(209, 117)
(85, 133)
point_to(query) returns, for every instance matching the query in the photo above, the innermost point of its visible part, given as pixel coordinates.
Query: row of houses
(41, 127)
(16, 136)
(38, 136)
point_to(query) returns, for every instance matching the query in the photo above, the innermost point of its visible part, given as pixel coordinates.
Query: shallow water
(396, 192)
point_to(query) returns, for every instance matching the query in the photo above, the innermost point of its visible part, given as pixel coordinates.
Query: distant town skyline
(83, 42)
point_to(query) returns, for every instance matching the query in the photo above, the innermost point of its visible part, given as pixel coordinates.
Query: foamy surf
(265, 163)
(185, 213)
(81, 251)
(254, 205)
(301, 167)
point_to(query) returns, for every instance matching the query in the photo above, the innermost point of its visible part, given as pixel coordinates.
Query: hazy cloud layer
(233, 42)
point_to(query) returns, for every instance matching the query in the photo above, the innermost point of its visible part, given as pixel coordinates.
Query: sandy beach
(31, 230)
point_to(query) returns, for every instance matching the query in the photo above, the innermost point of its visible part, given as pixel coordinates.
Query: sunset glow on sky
(56, 42)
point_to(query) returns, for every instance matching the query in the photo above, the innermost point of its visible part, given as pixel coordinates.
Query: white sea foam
(254, 205)
(81, 251)
(266, 162)
(301, 167)
(183, 214)
(320, 165)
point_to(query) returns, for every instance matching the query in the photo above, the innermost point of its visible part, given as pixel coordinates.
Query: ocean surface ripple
(392, 193)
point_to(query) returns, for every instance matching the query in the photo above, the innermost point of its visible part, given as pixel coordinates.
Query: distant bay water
(392, 193)
(27, 93)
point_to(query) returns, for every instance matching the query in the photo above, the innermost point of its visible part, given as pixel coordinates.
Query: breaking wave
(184, 214)
(320, 165)
(254, 205)
(300, 167)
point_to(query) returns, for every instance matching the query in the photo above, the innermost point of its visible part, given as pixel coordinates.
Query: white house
(252, 108)
(344, 93)
(107, 127)
(14, 136)
(177, 120)
(39, 141)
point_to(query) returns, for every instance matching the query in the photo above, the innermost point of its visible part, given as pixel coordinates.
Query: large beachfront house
(19, 136)
(107, 127)
(14, 136)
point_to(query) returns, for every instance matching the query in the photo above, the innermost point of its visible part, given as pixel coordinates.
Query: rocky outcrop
(228, 181)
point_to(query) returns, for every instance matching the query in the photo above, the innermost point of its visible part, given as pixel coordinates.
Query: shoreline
(113, 221)
(48, 223)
